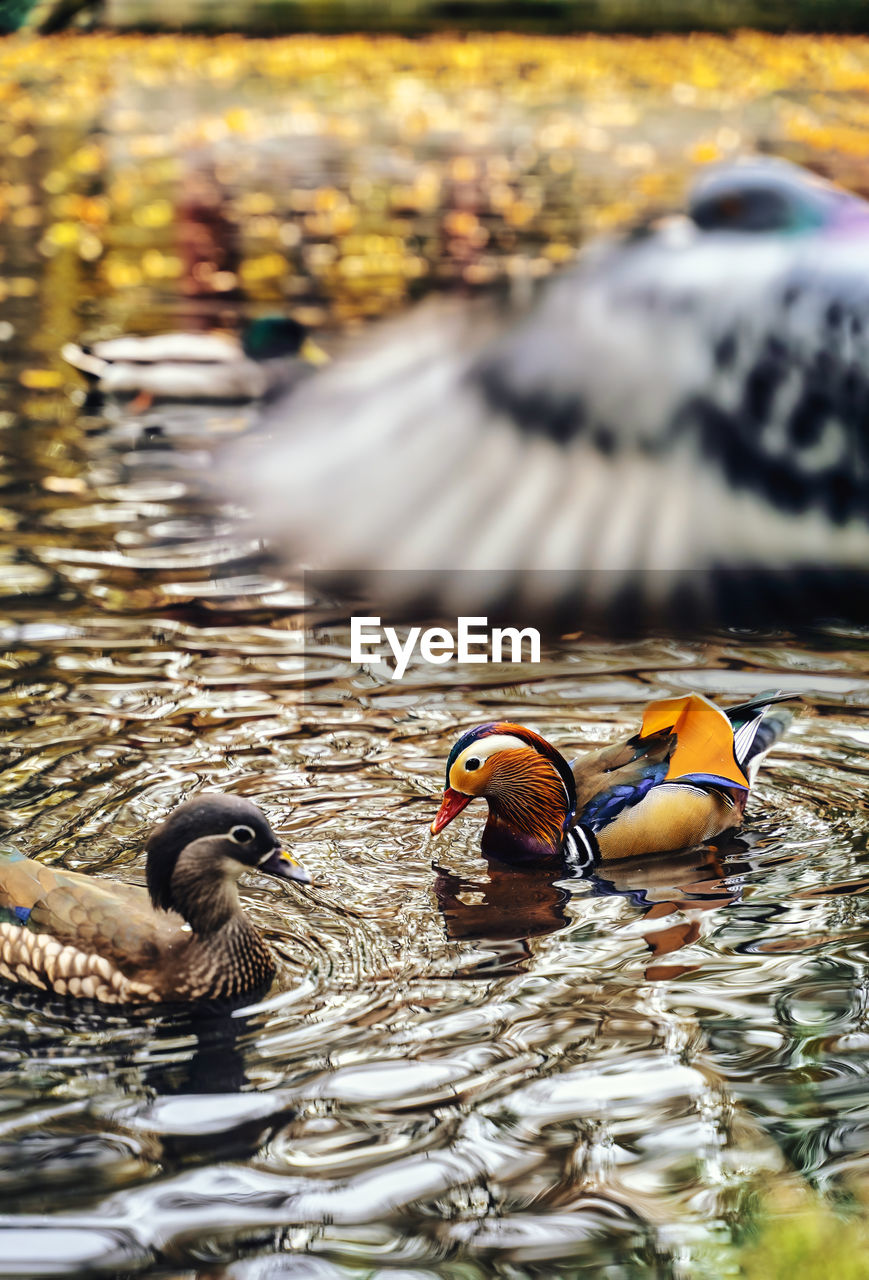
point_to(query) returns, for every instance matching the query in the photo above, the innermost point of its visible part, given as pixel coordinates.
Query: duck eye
(472, 764)
(242, 835)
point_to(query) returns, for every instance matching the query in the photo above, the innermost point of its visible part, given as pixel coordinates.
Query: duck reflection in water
(504, 907)
(507, 906)
(675, 891)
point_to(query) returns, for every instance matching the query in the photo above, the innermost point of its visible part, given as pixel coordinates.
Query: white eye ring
(241, 835)
(472, 764)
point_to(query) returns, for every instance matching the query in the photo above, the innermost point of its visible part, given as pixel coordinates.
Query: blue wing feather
(603, 808)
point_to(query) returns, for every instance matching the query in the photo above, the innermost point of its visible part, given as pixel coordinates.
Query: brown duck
(185, 938)
(681, 781)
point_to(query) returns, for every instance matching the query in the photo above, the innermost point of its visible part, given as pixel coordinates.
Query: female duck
(271, 355)
(682, 780)
(120, 944)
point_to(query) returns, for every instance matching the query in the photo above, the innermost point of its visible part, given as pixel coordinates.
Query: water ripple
(459, 1071)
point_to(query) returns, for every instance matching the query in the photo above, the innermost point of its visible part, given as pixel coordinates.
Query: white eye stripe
(483, 748)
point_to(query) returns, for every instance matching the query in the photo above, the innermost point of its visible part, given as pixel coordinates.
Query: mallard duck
(271, 354)
(673, 427)
(185, 938)
(681, 781)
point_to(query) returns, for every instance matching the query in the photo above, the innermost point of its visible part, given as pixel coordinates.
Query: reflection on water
(460, 1071)
(457, 1062)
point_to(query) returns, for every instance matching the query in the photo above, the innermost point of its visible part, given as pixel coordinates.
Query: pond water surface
(458, 1073)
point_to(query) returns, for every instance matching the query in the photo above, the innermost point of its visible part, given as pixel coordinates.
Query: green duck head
(273, 338)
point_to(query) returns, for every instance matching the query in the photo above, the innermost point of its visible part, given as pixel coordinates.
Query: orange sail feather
(704, 739)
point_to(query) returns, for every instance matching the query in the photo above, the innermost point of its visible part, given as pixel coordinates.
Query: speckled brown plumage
(184, 939)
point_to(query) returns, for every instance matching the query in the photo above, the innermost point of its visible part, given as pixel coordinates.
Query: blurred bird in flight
(674, 427)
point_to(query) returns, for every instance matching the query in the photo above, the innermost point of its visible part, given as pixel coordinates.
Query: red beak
(452, 804)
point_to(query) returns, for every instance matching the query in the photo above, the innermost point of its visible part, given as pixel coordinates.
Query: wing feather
(676, 402)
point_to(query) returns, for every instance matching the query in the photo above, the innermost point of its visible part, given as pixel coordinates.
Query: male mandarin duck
(185, 938)
(681, 781)
(683, 408)
(272, 354)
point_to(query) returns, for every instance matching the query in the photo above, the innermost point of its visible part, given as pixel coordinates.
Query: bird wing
(116, 921)
(678, 401)
(670, 816)
(676, 783)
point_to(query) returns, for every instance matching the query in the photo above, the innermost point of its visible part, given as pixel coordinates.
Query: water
(454, 1073)
(458, 1073)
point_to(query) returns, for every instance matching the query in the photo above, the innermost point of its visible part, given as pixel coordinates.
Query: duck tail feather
(745, 710)
(753, 735)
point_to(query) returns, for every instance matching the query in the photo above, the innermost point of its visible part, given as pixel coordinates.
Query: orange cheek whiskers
(527, 796)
